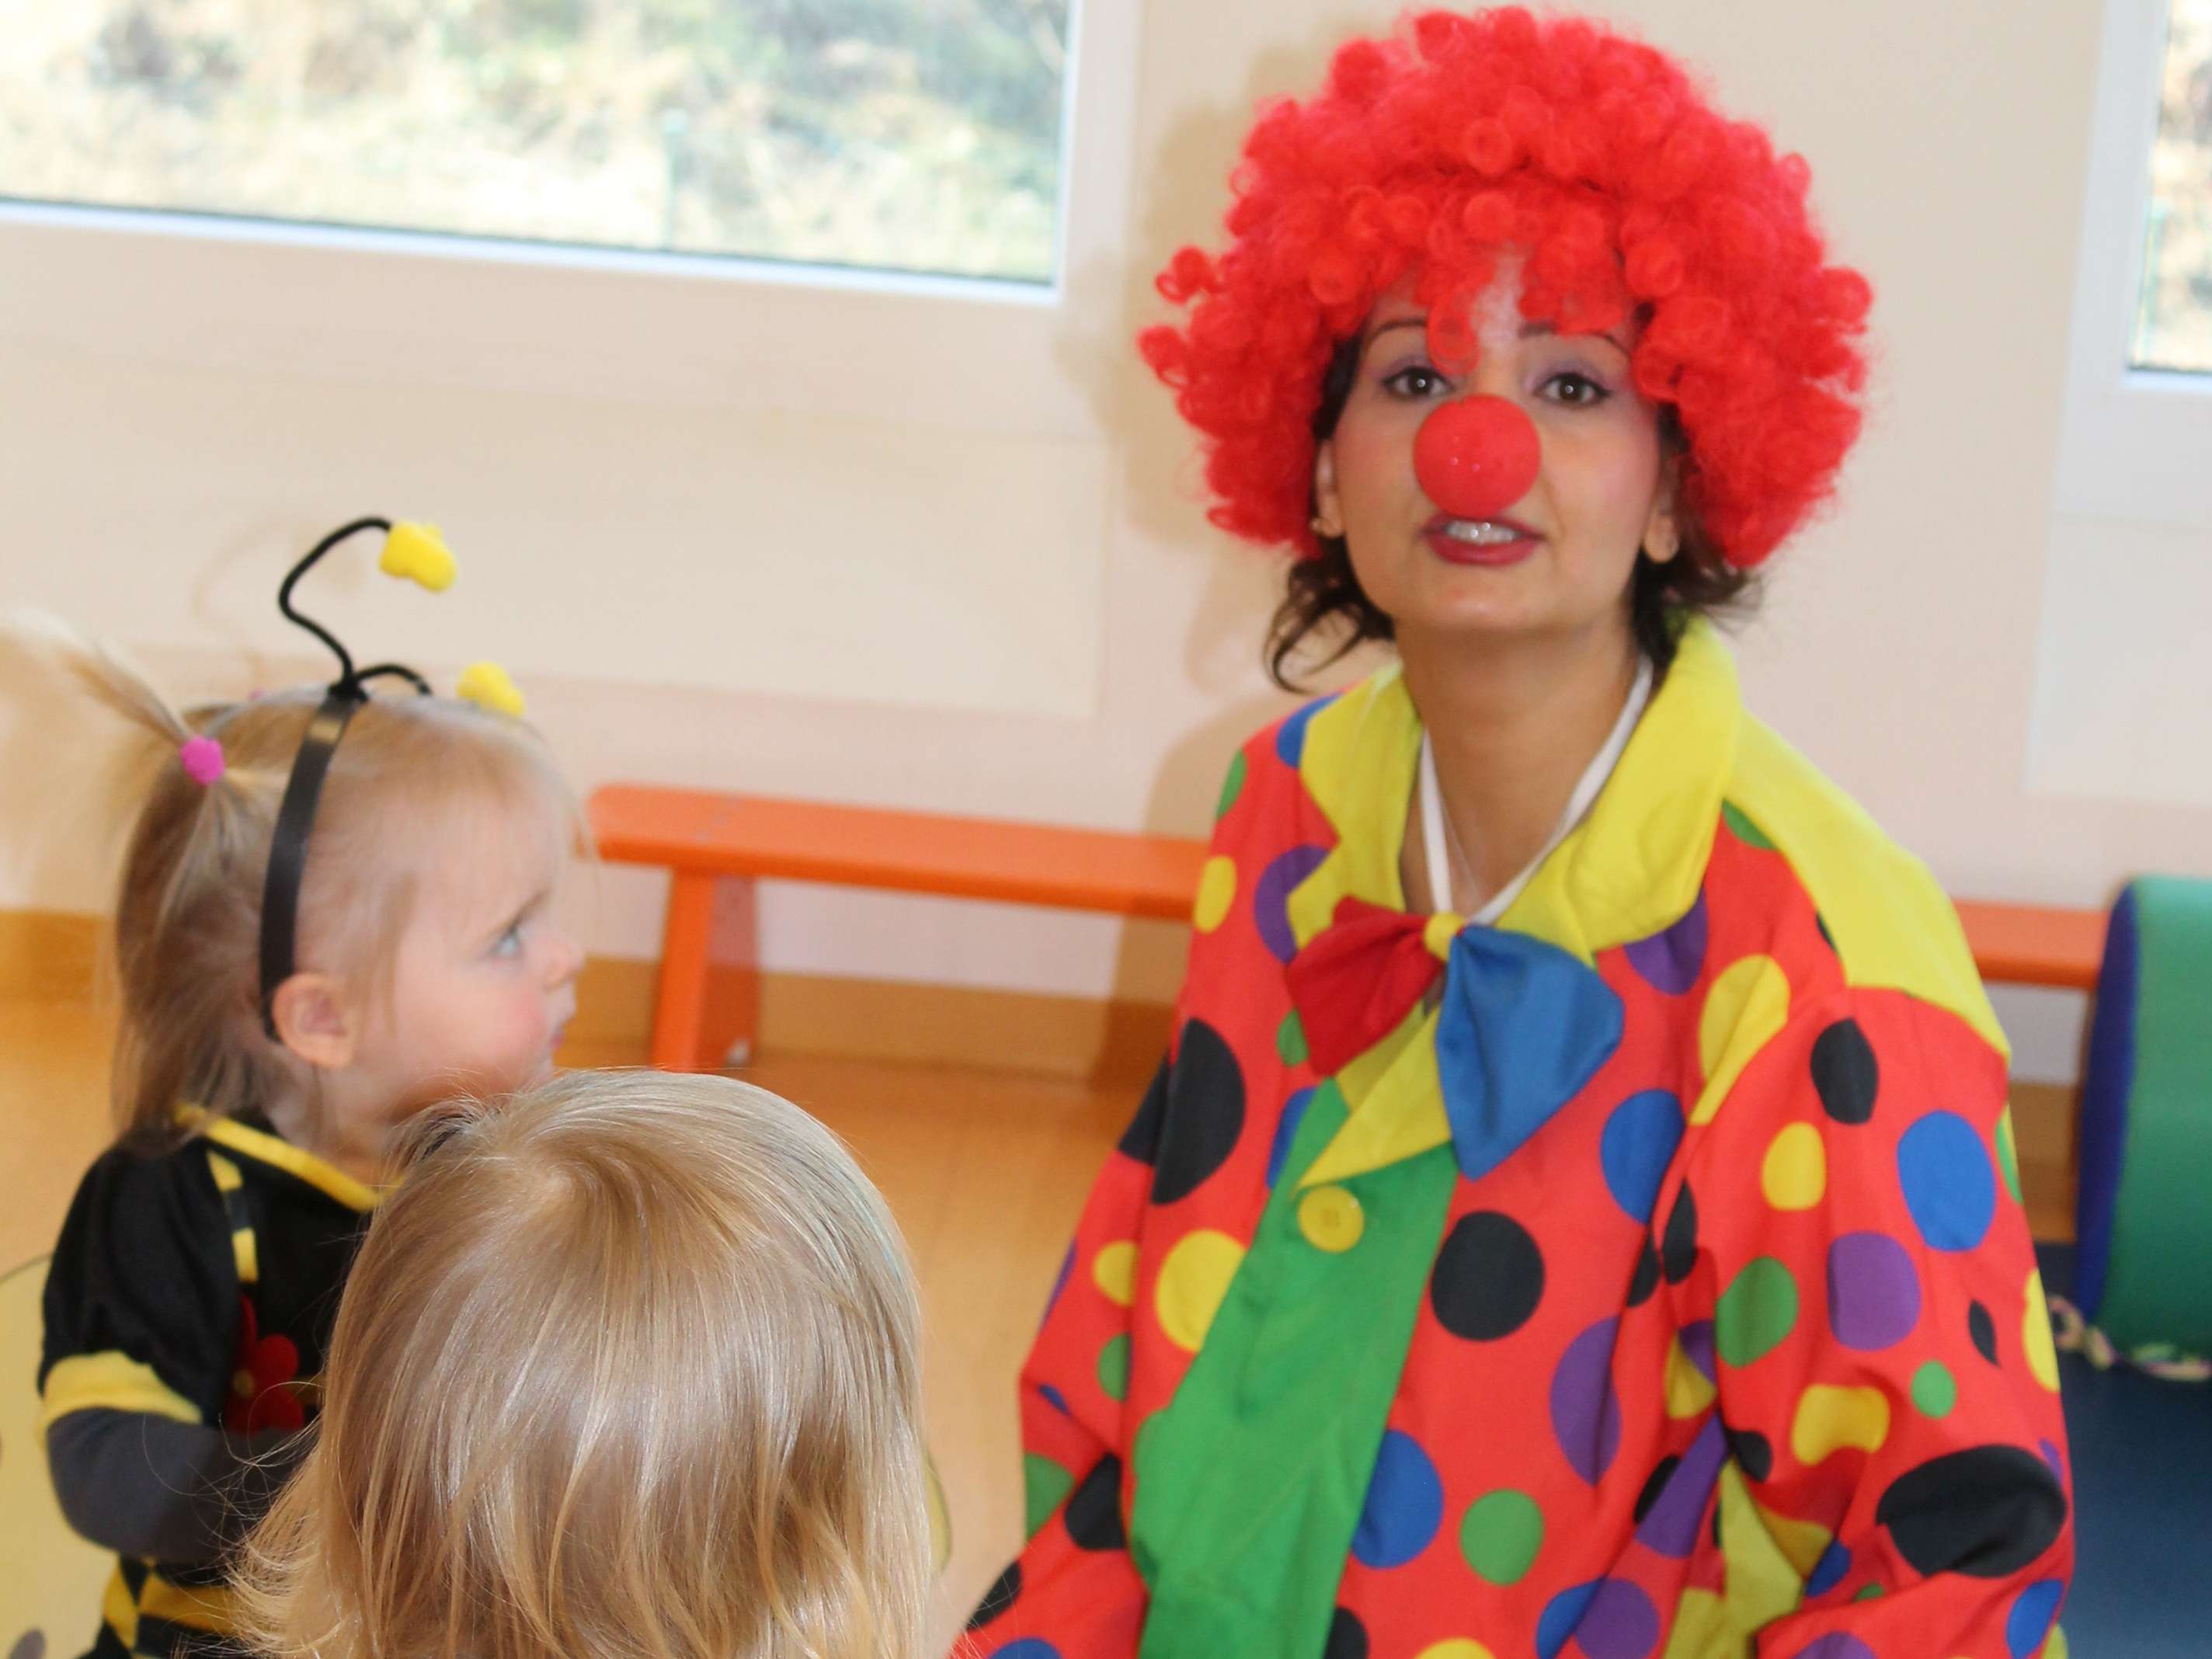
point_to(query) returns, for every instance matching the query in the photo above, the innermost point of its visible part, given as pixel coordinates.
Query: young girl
(190, 1294)
(627, 1367)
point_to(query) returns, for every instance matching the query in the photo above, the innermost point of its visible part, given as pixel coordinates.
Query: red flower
(261, 1395)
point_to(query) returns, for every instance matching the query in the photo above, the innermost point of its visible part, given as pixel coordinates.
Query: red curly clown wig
(1432, 152)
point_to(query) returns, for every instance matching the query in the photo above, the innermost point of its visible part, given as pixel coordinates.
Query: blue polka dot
(1828, 1571)
(1294, 1113)
(1291, 736)
(1561, 1615)
(1054, 1398)
(2031, 1617)
(1949, 1186)
(1030, 1647)
(1405, 1504)
(1638, 1144)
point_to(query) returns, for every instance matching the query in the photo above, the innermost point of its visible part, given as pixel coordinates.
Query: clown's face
(1546, 551)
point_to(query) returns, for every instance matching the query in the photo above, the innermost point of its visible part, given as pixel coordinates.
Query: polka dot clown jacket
(1644, 1276)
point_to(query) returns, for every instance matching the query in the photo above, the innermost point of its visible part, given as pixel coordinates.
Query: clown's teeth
(1481, 532)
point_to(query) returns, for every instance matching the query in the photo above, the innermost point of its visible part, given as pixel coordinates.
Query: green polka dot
(1044, 1485)
(1745, 831)
(2008, 1154)
(1114, 1368)
(1934, 1390)
(1231, 787)
(1501, 1535)
(1869, 1592)
(1290, 1040)
(1755, 1313)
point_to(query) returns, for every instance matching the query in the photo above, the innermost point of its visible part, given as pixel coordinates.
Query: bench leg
(708, 1008)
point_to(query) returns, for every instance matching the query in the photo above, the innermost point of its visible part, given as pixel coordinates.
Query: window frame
(2132, 441)
(433, 310)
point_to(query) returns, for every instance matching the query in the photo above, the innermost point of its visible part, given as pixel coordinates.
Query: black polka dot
(31, 1644)
(1488, 1279)
(1845, 1071)
(1646, 1279)
(1827, 937)
(1653, 1486)
(1347, 1637)
(1093, 1514)
(1678, 1248)
(997, 1599)
(1141, 1139)
(1983, 1330)
(1753, 1455)
(1986, 1512)
(1205, 1113)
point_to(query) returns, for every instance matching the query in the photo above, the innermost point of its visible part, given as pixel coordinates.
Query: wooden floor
(986, 1171)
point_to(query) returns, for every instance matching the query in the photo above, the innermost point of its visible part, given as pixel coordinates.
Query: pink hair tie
(203, 760)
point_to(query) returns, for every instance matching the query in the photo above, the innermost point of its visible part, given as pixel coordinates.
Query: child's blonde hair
(188, 905)
(626, 1367)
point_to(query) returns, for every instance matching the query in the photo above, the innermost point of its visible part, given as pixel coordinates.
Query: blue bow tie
(1522, 1027)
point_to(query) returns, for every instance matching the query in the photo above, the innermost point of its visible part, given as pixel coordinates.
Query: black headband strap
(288, 845)
(296, 815)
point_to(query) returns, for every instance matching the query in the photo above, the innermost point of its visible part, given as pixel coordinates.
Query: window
(2173, 324)
(917, 136)
(2124, 679)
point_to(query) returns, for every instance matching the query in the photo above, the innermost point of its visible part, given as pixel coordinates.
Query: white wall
(1898, 646)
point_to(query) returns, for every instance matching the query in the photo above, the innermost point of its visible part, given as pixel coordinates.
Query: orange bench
(717, 846)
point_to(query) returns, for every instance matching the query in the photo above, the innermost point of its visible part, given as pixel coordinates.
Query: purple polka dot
(1585, 1415)
(1620, 1624)
(1874, 1292)
(1697, 1340)
(1060, 1281)
(1677, 1518)
(2052, 1456)
(1671, 961)
(1273, 891)
(1838, 1646)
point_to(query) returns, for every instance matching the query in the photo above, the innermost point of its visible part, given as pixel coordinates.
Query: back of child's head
(627, 1367)
(188, 905)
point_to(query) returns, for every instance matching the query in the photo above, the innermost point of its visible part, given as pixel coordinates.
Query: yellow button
(1329, 1217)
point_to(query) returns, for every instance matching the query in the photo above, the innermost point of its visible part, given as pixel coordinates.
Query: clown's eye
(1577, 391)
(1416, 381)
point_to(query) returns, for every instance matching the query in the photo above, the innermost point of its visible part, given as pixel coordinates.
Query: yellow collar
(1631, 869)
(281, 1154)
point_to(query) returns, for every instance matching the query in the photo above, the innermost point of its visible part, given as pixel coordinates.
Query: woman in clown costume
(1578, 1212)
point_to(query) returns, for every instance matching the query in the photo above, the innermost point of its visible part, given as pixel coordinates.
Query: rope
(2075, 1334)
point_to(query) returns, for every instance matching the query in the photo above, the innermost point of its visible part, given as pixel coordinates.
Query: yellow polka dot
(1748, 1003)
(1115, 1271)
(1192, 1280)
(241, 1384)
(1330, 1218)
(1687, 1390)
(1831, 1419)
(1458, 1648)
(1217, 891)
(2055, 1647)
(2035, 1339)
(1796, 1172)
(1442, 928)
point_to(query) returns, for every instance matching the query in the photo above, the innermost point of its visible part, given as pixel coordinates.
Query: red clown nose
(1476, 456)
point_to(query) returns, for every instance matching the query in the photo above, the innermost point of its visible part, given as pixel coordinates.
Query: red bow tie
(1356, 981)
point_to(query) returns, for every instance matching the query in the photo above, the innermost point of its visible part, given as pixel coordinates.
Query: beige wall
(1898, 646)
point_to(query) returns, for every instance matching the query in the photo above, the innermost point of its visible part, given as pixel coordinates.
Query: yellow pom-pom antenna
(487, 685)
(418, 553)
